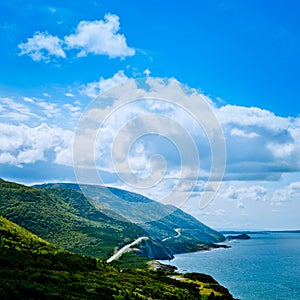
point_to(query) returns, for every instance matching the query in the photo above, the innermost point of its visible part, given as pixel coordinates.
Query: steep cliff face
(154, 250)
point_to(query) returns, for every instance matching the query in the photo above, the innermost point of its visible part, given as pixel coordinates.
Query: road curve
(126, 248)
(178, 234)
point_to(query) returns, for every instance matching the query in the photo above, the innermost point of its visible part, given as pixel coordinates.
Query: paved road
(126, 248)
(175, 236)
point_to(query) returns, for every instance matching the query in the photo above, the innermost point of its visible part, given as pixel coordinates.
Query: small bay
(265, 267)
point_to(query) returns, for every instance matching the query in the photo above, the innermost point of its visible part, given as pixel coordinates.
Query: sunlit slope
(65, 218)
(194, 235)
(34, 269)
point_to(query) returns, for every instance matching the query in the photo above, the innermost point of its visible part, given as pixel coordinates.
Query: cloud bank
(260, 145)
(262, 149)
(21, 145)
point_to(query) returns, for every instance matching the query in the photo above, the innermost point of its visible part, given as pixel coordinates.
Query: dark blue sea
(267, 267)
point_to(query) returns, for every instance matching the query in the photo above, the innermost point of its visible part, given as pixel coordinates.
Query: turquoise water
(265, 267)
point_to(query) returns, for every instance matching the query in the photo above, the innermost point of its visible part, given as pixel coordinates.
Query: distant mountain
(177, 230)
(61, 214)
(31, 268)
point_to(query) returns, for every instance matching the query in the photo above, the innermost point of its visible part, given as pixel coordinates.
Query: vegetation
(130, 260)
(65, 218)
(194, 235)
(34, 269)
(61, 214)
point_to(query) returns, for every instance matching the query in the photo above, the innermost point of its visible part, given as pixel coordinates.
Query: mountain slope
(194, 235)
(62, 215)
(34, 269)
(65, 218)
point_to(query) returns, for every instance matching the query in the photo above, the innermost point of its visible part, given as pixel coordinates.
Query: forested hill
(193, 235)
(31, 268)
(63, 216)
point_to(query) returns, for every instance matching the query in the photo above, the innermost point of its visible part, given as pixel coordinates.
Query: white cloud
(100, 38)
(215, 213)
(49, 109)
(69, 95)
(42, 46)
(147, 72)
(7, 158)
(20, 144)
(282, 151)
(249, 117)
(74, 111)
(15, 111)
(241, 133)
(28, 100)
(158, 117)
(260, 145)
(286, 194)
(32, 111)
(243, 193)
(93, 89)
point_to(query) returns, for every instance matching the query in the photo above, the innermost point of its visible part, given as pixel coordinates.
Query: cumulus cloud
(100, 37)
(248, 117)
(260, 145)
(149, 115)
(42, 46)
(93, 89)
(21, 144)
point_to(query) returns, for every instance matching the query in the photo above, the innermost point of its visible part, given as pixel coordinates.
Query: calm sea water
(267, 267)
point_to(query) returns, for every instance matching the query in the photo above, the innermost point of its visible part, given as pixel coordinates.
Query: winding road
(175, 236)
(126, 248)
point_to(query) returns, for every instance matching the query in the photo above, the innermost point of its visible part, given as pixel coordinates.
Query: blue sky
(244, 56)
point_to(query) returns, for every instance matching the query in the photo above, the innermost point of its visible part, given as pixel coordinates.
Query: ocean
(267, 267)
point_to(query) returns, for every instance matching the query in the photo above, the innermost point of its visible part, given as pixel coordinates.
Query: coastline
(211, 288)
(207, 285)
(245, 268)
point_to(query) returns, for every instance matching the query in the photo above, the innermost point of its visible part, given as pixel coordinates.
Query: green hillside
(34, 269)
(65, 218)
(194, 235)
(62, 215)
